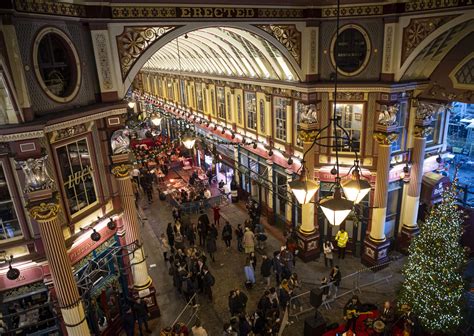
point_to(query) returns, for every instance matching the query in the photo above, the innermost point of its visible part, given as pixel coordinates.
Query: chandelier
(337, 207)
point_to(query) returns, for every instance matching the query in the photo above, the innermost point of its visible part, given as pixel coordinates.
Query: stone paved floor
(228, 271)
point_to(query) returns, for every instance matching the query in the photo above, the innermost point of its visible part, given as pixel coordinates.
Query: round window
(56, 65)
(351, 50)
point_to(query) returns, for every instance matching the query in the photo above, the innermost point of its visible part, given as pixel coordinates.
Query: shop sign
(88, 245)
(79, 177)
(208, 12)
(433, 186)
(27, 276)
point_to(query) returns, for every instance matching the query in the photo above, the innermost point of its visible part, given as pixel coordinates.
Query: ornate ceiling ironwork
(134, 41)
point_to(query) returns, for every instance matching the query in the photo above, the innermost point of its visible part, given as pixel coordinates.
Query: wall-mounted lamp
(12, 273)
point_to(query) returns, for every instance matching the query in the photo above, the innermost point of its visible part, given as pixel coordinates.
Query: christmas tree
(433, 284)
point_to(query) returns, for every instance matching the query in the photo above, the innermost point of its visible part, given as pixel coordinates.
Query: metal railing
(300, 304)
(189, 308)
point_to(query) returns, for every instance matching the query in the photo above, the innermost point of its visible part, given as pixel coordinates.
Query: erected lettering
(208, 12)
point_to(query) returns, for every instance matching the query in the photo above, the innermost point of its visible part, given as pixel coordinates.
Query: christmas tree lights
(433, 283)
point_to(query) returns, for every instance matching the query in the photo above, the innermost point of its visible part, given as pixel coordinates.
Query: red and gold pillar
(45, 213)
(376, 244)
(141, 279)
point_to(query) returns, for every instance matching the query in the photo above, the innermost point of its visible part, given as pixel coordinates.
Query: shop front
(26, 307)
(355, 224)
(432, 187)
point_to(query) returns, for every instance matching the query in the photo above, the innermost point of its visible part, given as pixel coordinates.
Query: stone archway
(136, 44)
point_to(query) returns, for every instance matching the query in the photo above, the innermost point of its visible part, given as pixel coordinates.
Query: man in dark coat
(266, 269)
(241, 301)
(208, 281)
(141, 314)
(264, 304)
(202, 231)
(129, 322)
(211, 241)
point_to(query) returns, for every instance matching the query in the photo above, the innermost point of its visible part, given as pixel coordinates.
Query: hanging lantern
(189, 141)
(155, 119)
(303, 189)
(356, 188)
(335, 208)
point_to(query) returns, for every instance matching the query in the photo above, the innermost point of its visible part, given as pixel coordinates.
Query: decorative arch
(137, 44)
(422, 60)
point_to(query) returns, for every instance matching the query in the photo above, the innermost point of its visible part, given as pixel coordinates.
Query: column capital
(422, 131)
(121, 171)
(386, 139)
(307, 132)
(44, 211)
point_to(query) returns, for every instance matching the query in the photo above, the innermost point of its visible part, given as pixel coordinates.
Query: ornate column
(45, 213)
(376, 244)
(43, 207)
(308, 233)
(422, 128)
(121, 171)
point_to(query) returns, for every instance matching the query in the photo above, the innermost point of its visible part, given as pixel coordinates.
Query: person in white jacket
(327, 249)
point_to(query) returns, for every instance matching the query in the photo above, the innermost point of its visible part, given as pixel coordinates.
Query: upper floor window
(9, 225)
(351, 49)
(398, 144)
(77, 175)
(239, 109)
(220, 103)
(351, 120)
(229, 107)
(436, 136)
(56, 64)
(279, 106)
(261, 108)
(183, 93)
(170, 90)
(213, 102)
(199, 100)
(251, 109)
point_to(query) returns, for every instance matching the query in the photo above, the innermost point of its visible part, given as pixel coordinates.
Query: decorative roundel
(57, 65)
(352, 50)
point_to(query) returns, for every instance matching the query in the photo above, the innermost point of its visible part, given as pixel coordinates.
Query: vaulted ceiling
(223, 51)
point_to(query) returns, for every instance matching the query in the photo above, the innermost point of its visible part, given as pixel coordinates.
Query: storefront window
(27, 310)
(262, 115)
(351, 120)
(229, 108)
(9, 225)
(279, 105)
(220, 103)
(251, 109)
(239, 109)
(99, 281)
(77, 175)
(200, 106)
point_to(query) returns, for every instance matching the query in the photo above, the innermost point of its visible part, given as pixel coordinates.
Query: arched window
(251, 109)
(262, 115)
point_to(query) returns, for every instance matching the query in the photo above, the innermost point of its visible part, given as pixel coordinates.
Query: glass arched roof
(223, 51)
